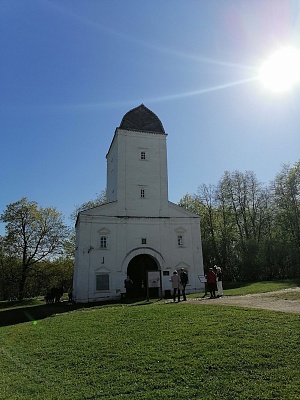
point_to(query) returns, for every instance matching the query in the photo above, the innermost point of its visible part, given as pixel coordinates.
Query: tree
(203, 204)
(286, 191)
(33, 234)
(100, 199)
(206, 197)
(9, 274)
(249, 204)
(287, 198)
(236, 224)
(47, 274)
(246, 198)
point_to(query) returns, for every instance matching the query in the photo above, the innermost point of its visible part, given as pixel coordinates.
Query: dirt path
(287, 300)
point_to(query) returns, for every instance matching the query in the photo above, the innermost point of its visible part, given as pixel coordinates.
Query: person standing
(205, 285)
(219, 281)
(175, 285)
(211, 283)
(184, 281)
(70, 295)
(128, 286)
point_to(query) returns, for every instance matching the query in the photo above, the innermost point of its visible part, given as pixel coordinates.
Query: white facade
(138, 229)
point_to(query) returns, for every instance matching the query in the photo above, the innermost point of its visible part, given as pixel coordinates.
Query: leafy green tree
(47, 274)
(203, 205)
(286, 188)
(205, 199)
(237, 225)
(245, 197)
(33, 234)
(100, 199)
(286, 192)
(247, 201)
(9, 274)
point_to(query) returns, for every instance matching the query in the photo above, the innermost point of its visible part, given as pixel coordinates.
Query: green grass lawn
(244, 288)
(241, 289)
(152, 351)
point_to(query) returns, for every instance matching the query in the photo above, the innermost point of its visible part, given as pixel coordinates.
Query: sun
(281, 71)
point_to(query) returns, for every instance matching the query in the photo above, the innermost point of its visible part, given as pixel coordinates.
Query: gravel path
(287, 300)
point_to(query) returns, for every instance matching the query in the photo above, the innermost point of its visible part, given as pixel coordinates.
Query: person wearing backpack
(184, 279)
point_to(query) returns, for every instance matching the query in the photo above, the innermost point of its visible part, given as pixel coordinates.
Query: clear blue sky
(70, 70)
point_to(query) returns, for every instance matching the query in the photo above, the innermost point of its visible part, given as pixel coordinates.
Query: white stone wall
(124, 235)
(112, 172)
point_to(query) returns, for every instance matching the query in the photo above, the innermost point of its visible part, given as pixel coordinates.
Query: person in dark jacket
(184, 281)
(211, 283)
(129, 287)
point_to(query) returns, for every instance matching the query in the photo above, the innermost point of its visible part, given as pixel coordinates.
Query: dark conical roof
(142, 119)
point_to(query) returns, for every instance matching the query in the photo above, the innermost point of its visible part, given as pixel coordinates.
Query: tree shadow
(33, 313)
(15, 316)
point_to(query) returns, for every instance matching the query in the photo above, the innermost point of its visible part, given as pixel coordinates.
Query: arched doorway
(137, 271)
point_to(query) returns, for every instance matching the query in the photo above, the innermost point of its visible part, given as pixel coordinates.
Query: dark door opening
(137, 271)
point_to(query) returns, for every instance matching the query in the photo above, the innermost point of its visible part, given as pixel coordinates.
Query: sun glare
(281, 71)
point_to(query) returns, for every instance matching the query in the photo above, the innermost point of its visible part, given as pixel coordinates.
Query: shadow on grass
(19, 303)
(24, 312)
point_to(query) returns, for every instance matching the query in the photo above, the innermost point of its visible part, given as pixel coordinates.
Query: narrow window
(144, 241)
(143, 155)
(142, 193)
(103, 242)
(180, 240)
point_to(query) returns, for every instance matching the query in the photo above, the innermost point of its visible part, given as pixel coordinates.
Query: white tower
(138, 230)
(137, 176)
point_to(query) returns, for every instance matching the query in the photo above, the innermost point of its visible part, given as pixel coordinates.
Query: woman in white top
(219, 281)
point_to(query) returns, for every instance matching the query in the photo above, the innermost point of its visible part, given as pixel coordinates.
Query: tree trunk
(22, 284)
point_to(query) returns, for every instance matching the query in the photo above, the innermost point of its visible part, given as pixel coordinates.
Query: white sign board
(153, 279)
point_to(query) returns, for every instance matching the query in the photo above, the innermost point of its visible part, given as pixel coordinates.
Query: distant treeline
(250, 229)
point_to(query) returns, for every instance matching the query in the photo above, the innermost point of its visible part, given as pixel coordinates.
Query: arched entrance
(137, 271)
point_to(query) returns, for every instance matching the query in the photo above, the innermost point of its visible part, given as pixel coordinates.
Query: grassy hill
(152, 351)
